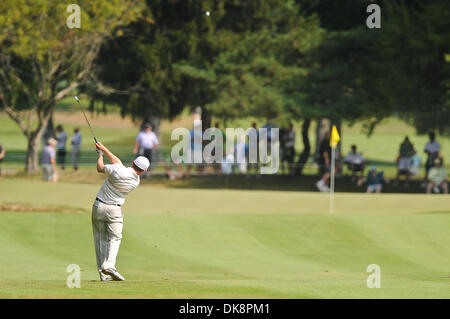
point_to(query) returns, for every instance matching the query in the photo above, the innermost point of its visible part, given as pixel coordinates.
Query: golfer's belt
(106, 203)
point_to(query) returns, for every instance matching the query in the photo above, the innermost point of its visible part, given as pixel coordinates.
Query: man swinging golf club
(107, 216)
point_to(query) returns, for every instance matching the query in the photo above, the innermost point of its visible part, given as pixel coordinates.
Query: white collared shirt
(433, 147)
(147, 140)
(120, 182)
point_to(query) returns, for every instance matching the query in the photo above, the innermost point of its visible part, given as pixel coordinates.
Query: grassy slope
(191, 243)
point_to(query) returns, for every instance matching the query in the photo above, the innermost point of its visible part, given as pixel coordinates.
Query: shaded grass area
(344, 183)
(188, 243)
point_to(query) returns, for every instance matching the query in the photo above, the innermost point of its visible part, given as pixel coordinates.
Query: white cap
(142, 162)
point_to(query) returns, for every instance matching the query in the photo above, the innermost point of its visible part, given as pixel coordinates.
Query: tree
(367, 75)
(260, 75)
(42, 60)
(414, 64)
(155, 54)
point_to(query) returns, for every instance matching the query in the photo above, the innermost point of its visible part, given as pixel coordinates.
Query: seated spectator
(173, 172)
(241, 155)
(437, 178)
(404, 160)
(415, 166)
(228, 162)
(355, 162)
(375, 181)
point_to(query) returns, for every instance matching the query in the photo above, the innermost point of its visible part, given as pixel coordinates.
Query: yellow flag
(334, 140)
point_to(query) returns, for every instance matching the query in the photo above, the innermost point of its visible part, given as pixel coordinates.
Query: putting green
(180, 243)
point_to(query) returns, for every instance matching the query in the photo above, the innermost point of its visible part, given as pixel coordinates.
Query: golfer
(107, 216)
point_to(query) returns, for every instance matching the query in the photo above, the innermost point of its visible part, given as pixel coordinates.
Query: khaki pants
(107, 224)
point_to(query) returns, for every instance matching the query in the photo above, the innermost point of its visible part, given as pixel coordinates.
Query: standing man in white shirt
(107, 215)
(146, 142)
(432, 148)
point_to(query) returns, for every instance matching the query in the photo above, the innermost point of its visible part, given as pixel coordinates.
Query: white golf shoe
(104, 277)
(113, 273)
(322, 187)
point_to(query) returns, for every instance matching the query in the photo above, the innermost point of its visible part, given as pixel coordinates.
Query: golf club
(79, 105)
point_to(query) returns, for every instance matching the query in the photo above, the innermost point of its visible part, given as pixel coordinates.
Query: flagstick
(333, 158)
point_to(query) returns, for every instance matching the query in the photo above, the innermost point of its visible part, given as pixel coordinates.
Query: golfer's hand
(100, 146)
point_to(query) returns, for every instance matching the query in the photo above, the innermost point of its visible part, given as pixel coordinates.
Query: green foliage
(42, 60)
(367, 75)
(260, 74)
(166, 59)
(413, 46)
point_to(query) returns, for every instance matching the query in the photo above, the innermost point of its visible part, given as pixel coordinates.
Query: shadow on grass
(274, 183)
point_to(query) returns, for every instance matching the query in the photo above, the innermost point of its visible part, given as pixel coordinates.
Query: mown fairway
(223, 244)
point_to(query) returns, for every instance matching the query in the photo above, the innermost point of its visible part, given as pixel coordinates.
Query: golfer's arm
(113, 159)
(100, 164)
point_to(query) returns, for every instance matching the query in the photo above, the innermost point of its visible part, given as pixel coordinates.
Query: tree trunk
(48, 132)
(31, 161)
(306, 147)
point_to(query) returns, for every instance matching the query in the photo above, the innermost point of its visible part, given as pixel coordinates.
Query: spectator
(404, 160)
(228, 162)
(2, 156)
(49, 170)
(416, 161)
(432, 148)
(289, 147)
(437, 177)
(324, 163)
(216, 166)
(146, 143)
(255, 166)
(241, 151)
(282, 132)
(355, 162)
(175, 172)
(61, 137)
(375, 181)
(76, 148)
(196, 136)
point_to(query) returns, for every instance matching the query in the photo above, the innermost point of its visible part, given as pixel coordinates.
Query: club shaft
(87, 121)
